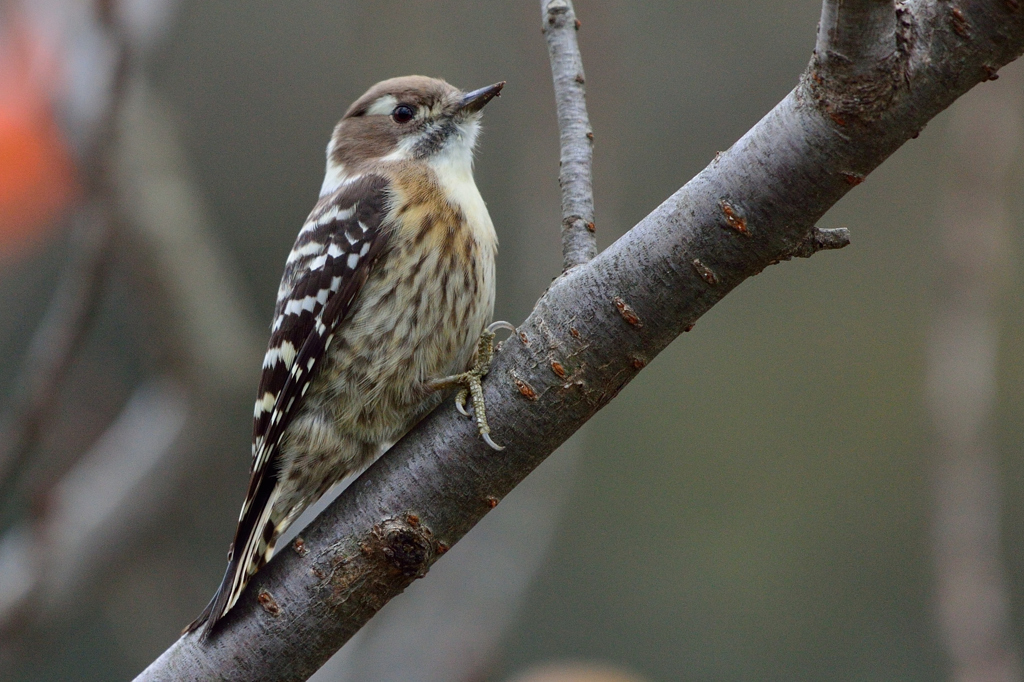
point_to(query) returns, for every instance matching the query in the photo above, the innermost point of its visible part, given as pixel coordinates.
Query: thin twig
(860, 59)
(858, 33)
(579, 242)
(192, 282)
(602, 322)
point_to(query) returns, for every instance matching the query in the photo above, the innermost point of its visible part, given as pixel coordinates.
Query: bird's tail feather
(257, 533)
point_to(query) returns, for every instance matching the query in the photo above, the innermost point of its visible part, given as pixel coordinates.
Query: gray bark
(600, 323)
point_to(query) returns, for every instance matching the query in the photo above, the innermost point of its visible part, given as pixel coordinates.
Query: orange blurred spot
(37, 176)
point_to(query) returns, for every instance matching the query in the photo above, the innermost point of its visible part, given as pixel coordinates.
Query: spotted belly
(417, 319)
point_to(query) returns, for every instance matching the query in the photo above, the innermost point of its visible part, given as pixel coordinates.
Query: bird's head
(405, 119)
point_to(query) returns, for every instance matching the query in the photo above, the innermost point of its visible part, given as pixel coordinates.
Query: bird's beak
(475, 101)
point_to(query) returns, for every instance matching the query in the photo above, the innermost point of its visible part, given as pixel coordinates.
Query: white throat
(334, 178)
(453, 167)
(457, 155)
(454, 162)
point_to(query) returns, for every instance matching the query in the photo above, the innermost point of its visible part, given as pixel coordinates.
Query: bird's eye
(403, 114)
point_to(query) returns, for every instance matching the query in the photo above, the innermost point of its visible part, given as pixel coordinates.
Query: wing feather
(333, 256)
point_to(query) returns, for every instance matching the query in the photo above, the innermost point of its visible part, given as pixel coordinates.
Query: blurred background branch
(76, 300)
(71, 513)
(973, 601)
(53, 347)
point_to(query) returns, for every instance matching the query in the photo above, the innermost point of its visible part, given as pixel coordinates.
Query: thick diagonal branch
(579, 243)
(594, 329)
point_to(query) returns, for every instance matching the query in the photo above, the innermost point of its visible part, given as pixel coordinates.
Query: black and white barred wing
(331, 260)
(327, 267)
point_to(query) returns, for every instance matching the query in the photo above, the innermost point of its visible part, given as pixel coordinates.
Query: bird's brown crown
(414, 91)
(408, 117)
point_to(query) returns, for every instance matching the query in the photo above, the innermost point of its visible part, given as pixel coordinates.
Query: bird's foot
(471, 391)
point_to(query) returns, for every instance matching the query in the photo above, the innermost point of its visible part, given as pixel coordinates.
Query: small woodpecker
(384, 305)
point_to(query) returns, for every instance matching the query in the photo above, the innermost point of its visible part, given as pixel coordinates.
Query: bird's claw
(460, 403)
(494, 446)
(500, 324)
(469, 401)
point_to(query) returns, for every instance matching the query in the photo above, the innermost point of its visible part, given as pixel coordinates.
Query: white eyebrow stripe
(383, 106)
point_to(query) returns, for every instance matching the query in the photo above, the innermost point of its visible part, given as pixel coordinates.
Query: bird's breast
(419, 315)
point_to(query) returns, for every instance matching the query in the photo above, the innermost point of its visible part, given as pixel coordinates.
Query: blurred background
(822, 481)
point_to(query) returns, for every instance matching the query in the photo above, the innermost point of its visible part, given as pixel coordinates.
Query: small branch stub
(407, 545)
(822, 240)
